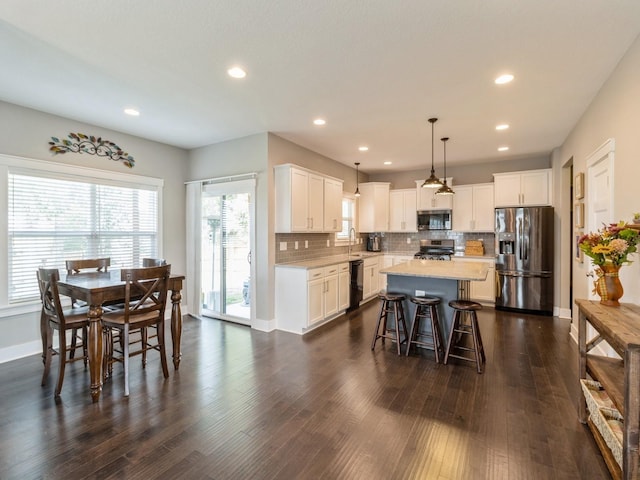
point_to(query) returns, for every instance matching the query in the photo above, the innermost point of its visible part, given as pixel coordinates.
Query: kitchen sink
(363, 254)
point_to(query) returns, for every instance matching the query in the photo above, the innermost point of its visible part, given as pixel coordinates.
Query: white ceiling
(375, 69)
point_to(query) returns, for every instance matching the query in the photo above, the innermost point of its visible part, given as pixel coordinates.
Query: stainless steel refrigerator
(524, 259)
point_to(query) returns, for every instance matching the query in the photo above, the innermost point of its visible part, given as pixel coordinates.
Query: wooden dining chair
(153, 262)
(82, 265)
(78, 267)
(144, 306)
(55, 318)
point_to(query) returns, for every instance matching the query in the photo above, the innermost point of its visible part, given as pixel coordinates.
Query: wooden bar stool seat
(391, 303)
(458, 326)
(426, 307)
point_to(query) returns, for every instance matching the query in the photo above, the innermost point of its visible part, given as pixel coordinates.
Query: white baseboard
(13, 352)
(264, 325)
(562, 312)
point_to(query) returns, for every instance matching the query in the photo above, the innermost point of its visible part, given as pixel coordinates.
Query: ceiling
(374, 69)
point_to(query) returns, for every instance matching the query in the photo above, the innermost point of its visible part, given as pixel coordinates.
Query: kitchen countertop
(439, 269)
(328, 261)
(335, 259)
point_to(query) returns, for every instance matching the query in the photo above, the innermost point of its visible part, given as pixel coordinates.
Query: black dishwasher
(356, 271)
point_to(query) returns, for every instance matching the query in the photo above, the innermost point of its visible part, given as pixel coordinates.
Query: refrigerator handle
(520, 240)
(526, 237)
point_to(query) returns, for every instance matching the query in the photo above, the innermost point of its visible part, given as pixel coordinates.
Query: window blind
(51, 220)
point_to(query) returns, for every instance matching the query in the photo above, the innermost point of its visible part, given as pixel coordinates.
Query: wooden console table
(620, 328)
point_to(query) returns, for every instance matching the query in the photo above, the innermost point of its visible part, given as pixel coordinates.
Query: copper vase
(608, 285)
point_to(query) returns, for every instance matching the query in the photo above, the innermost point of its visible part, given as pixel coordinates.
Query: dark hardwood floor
(247, 404)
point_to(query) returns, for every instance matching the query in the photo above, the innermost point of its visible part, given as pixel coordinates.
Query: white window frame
(20, 165)
(341, 241)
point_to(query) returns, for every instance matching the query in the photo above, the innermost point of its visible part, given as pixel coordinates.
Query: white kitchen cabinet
(482, 291)
(373, 207)
(332, 205)
(473, 209)
(331, 291)
(402, 210)
(306, 298)
(303, 197)
(384, 261)
(344, 286)
(315, 293)
(526, 188)
(428, 200)
(370, 278)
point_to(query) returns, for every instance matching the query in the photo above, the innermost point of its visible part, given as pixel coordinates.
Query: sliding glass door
(225, 264)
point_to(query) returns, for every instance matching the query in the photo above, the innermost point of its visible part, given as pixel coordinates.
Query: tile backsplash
(397, 242)
(317, 246)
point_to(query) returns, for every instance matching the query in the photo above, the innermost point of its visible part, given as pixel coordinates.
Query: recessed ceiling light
(319, 121)
(236, 72)
(502, 126)
(363, 148)
(503, 149)
(132, 111)
(388, 162)
(502, 79)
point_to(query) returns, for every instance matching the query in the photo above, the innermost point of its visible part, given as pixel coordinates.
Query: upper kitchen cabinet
(473, 209)
(332, 205)
(373, 207)
(428, 200)
(402, 210)
(528, 188)
(302, 197)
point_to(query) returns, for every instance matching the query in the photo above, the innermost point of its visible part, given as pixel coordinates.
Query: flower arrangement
(611, 245)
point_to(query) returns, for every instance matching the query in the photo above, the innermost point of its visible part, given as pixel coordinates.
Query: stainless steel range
(436, 249)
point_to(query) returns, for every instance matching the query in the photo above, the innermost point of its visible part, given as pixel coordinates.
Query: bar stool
(426, 307)
(391, 303)
(471, 328)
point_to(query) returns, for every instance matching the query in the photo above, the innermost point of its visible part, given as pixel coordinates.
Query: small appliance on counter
(373, 243)
(436, 249)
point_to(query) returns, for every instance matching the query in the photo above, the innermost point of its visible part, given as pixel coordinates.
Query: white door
(599, 208)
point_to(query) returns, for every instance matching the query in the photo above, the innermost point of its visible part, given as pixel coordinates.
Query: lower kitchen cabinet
(370, 278)
(306, 298)
(343, 286)
(485, 291)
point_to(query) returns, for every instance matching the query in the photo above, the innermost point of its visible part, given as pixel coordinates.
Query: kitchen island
(445, 280)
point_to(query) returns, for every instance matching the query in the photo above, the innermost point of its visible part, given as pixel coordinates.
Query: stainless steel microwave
(434, 219)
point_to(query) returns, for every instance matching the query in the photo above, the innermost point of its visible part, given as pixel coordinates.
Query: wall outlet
(306, 244)
(295, 245)
(408, 240)
(328, 243)
(420, 293)
(283, 246)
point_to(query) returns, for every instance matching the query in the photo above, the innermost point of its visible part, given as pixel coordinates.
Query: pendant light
(445, 189)
(432, 181)
(357, 193)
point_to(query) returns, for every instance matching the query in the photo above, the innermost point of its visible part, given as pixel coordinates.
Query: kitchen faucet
(354, 238)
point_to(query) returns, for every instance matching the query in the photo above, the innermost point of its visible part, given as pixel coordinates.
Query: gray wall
(614, 113)
(235, 157)
(26, 133)
(464, 174)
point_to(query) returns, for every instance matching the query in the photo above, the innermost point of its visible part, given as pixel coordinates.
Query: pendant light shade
(432, 181)
(445, 189)
(357, 192)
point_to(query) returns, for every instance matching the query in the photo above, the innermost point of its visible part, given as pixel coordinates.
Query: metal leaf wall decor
(81, 143)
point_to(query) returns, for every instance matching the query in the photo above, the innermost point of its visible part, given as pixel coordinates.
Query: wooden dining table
(100, 288)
